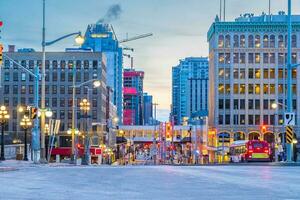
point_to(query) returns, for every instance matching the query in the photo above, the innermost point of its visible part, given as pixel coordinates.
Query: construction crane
(136, 37)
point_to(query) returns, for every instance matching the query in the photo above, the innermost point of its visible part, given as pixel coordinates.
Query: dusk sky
(179, 29)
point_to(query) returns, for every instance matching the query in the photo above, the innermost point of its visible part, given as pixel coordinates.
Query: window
(70, 77)
(227, 58)
(272, 58)
(221, 73)
(47, 64)
(294, 41)
(70, 90)
(266, 119)
(6, 76)
(78, 76)
(250, 89)
(54, 64)
(266, 73)
(250, 73)
(266, 41)
(257, 104)
(63, 64)
(54, 89)
(236, 88)
(242, 104)
(280, 41)
(242, 88)
(86, 64)
(221, 41)
(250, 41)
(242, 119)
(280, 88)
(257, 58)
(266, 89)
(294, 58)
(227, 41)
(250, 104)
(266, 104)
(235, 119)
(227, 119)
(62, 89)
(62, 76)
(54, 76)
(23, 76)
(294, 73)
(227, 104)
(236, 104)
(236, 73)
(62, 102)
(266, 58)
(86, 76)
(70, 64)
(242, 41)
(62, 115)
(15, 76)
(227, 89)
(242, 74)
(227, 73)
(6, 89)
(250, 58)
(236, 41)
(221, 121)
(78, 64)
(236, 58)
(54, 102)
(250, 120)
(221, 104)
(272, 73)
(257, 41)
(242, 58)
(281, 58)
(221, 58)
(221, 88)
(30, 89)
(257, 119)
(23, 89)
(95, 64)
(272, 41)
(15, 89)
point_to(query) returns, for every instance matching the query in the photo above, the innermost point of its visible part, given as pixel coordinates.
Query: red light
(250, 151)
(266, 151)
(1, 23)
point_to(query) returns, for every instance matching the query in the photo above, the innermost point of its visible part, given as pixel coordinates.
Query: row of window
(255, 41)
(55, 64)
(252, 120)
(255, 58)
(14, 89)
(55, 102)
(16, 76)
(255, 73)
(256, 104)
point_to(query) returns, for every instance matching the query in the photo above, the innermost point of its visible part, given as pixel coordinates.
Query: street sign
(289, 134)
(289, 119)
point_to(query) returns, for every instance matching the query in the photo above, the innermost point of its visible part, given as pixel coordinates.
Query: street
(150, 182)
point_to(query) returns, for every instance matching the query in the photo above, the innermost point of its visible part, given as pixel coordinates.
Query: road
(151, 182)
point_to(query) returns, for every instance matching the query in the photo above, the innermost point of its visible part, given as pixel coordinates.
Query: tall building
(133, 97)
(189, 89)
(148, 109)
(101, 38)
(247, 74)
(18, 88)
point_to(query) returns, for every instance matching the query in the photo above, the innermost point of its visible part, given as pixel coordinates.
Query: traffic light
(168, 130)
(33, 112)
(1, 54)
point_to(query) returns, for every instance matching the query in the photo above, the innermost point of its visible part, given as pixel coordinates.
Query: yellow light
(274, 105)
(295, 141)
(79, 39)
(97, 84)
(2, 108)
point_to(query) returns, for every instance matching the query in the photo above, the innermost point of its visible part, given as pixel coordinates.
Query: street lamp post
(4, 116)
(25, 124)
(79, 40)
(85, 108)
(96, 84)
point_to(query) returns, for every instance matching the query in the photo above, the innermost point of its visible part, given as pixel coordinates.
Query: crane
(136, 37)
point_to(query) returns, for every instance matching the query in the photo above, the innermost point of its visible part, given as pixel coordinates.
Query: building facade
(247, 74)
(101, 38)
(133, 97)
(189, 89)
(18, 87)
(148, 109)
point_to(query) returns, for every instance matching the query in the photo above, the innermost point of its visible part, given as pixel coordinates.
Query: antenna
(220, 15)
(224, 10)
(269, 10)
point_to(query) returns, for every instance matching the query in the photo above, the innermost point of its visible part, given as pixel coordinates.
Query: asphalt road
(151, 182)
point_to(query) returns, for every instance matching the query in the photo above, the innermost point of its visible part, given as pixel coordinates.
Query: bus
(253, 150)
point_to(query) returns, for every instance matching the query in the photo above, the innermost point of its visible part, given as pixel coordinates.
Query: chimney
(11, 48)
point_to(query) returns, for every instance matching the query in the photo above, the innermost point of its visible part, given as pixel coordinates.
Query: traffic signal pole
(289, 147)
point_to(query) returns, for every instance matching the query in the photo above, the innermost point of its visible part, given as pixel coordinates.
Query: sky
(179, 28)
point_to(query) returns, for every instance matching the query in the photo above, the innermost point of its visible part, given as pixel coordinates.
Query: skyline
(175, 37)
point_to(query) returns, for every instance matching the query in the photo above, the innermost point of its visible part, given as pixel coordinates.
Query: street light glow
(97, 84)
(274, 105)
(79, 39)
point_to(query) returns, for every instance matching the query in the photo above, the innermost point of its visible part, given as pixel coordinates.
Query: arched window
(242, 41)
(257, 41)
(280, 41)
(266, 41)
(294, 41)
(227, 41)
(236, 41)
(221, 41)
(272, 41)
(285, 41)
(250, 41)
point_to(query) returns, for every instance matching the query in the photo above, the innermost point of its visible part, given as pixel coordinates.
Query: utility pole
(154, 138)
(43, 116)
(289, 147)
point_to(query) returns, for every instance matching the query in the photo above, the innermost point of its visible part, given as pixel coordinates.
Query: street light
(25, 124)
(85, 108)
(4, 116)
(79, 39)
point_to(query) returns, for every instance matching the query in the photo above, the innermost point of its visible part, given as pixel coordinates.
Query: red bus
(253, 150)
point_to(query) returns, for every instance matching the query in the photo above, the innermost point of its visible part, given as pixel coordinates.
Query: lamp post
(85, 108)
(96, 83)
(79, 40)
(25, 124)
(4, 116)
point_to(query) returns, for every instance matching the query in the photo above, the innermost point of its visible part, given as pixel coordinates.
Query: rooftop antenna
(269, 10)
(220, 15)
(224, 10)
